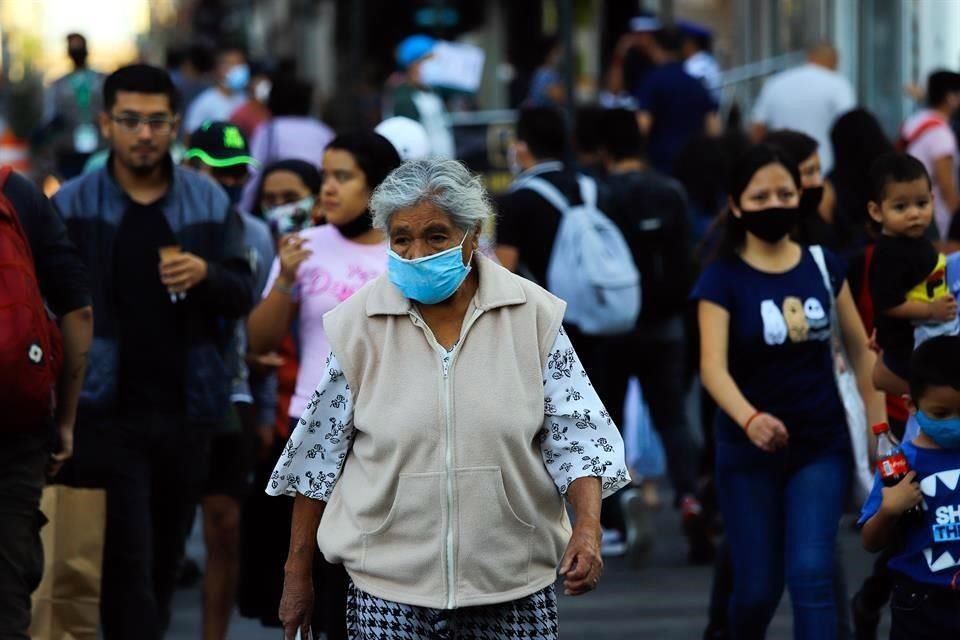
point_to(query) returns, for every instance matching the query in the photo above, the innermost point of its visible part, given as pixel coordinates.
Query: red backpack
(31, 349)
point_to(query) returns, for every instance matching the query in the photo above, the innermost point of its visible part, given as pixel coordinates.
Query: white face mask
(262, 91)
(291, 217)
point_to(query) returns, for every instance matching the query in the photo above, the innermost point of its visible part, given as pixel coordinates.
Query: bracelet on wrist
(746, 425)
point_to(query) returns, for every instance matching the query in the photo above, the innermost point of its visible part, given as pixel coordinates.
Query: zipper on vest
(446, 365)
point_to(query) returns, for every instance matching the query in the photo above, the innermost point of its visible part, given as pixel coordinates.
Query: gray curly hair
(446, 184)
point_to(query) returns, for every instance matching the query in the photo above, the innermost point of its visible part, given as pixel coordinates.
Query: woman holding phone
(317, 268)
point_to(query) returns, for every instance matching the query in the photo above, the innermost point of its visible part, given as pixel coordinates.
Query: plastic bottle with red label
(892, 463)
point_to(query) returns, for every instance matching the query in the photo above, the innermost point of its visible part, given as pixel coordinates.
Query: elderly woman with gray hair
(434, 456)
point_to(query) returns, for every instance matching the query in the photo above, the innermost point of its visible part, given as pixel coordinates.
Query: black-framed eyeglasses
(132, 123)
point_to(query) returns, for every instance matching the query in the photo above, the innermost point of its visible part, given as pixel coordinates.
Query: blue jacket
(201, 218)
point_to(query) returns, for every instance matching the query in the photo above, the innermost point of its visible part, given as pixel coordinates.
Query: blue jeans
(781, 521)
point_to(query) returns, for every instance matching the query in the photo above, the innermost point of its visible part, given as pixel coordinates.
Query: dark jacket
(200, 217)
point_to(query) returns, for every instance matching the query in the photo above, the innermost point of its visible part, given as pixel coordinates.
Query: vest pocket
(405, 550)
(495, 543)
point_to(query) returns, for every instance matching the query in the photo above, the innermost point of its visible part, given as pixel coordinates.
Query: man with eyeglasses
(169, 273)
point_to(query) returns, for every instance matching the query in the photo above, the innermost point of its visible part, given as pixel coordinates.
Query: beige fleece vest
(444, 500)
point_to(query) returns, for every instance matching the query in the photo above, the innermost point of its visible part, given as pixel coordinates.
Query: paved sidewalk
(667, 600)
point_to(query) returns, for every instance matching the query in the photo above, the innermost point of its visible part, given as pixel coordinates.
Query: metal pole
(352, 77)
(570, 108)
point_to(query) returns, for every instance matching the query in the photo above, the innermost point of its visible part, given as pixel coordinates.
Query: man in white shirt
(927, 136)
(217, 103)
(698, 58)
(808, 99)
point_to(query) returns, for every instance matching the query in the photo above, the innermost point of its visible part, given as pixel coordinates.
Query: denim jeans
(781, 521)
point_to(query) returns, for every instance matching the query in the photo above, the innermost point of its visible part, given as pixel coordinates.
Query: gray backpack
(591, 266)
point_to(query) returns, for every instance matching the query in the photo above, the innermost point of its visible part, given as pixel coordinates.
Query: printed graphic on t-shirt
(319, 281)
(795, 320)
(942, 504)
(935, 284)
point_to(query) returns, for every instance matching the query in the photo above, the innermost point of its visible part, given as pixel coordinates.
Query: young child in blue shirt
(926, 563)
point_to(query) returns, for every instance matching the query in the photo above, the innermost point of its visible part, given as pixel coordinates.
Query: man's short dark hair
(935, 363)
(139, 78)
(201, 57)
(228, 48)
(77, 36)
(290, 96)
(894, 167)
(941, 84)
(621, 135)
(544, 131)
(589, 129)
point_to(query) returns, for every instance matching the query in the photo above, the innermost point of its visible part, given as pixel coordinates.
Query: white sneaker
(639, 542)
(612, 544)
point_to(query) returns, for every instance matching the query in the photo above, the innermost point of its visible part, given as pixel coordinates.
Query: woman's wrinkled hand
(582, 564)
(296, 605)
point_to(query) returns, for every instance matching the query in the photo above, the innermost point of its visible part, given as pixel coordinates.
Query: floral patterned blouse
(578, 438)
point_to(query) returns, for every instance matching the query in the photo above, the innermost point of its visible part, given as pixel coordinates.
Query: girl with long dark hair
(766, 309)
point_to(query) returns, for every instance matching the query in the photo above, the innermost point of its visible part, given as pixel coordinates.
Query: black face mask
(356, 227)
(771, 224)
(79, 56)
(810, 199)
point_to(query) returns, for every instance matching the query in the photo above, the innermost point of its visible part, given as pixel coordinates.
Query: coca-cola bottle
(892, 462)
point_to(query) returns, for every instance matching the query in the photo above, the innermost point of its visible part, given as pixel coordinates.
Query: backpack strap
(933, 122)
(817, 252)
(546, 191)
(588, 191)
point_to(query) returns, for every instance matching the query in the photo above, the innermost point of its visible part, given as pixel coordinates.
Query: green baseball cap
(219, 145)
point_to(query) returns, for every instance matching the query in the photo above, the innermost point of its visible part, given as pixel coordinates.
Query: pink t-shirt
(335, 270)
(934, 143)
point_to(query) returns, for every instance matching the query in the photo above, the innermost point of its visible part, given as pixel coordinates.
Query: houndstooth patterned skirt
(530, 618)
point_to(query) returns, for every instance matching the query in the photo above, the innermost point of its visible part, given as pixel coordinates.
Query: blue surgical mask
(946, 433)
(430, 279)
(237, 79)
(291, 217)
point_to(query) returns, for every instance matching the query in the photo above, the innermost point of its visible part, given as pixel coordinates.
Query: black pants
(23, 459)
(656, 356)
(152, 467)
(265, 540)
(919, 612)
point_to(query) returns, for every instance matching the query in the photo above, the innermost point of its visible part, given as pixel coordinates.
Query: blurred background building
(346, 47)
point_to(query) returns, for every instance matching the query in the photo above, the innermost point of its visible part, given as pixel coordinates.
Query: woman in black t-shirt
(783, 452)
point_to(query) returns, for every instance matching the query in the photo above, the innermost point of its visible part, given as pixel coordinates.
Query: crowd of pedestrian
(254, 307)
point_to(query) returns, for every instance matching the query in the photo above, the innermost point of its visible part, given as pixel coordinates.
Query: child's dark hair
(139, 78)
(894, 167)
(754, 158)
(935, 363)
